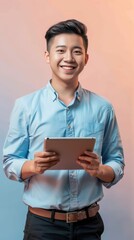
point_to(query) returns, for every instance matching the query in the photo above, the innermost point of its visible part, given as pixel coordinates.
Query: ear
(86, 58)
(46, 56)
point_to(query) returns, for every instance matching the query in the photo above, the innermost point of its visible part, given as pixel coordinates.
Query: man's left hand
(90, 163)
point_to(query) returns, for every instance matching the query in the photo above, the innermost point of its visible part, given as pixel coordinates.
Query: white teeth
(67, 67)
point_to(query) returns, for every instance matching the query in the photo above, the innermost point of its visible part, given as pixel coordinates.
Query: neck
(65, 90)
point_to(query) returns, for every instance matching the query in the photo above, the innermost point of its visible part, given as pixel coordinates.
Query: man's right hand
(41, 162)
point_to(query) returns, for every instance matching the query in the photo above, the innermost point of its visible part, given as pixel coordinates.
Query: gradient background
(109, 72)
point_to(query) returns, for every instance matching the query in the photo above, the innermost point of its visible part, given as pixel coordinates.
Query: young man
(62, 204)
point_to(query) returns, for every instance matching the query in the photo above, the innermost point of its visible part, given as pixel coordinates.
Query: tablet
(69, 149)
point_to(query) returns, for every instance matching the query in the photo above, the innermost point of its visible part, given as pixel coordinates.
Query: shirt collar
(78, 92)
(52, 91)
(54, 94)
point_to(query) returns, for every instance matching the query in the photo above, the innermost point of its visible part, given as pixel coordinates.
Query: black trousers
(40, 228)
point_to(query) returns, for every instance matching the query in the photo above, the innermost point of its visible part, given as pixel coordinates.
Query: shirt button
(69, 126)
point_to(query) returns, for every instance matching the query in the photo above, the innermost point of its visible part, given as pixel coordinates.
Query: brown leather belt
(69, 217)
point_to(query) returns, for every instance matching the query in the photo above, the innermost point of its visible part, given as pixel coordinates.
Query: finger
(40, 167)
(44, 154)
(88, 167)
(46, 159)
(91, 154)
(47, 164)
(85, 158)
(89, 160)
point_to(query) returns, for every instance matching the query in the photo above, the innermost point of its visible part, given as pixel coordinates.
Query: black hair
(69, 26)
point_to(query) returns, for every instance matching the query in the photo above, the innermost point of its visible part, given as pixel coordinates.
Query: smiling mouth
(68, 67)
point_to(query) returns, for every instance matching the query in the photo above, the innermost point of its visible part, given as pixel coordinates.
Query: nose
(68, 57)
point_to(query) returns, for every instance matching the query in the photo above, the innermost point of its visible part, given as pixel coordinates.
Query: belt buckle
(71, 217)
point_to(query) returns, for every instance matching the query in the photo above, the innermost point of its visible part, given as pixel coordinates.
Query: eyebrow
(65, 46)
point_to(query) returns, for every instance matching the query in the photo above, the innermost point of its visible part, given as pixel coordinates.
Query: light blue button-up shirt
(41, 114)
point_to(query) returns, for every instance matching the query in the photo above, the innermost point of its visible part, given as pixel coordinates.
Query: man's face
(66, 56)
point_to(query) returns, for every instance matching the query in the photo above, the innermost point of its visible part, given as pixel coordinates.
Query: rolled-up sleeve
(17, 142)
(112, 151)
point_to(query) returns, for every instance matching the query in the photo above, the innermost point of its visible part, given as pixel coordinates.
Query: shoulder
(27, 105)
(97, 100)
(32, 96)
(31, 99)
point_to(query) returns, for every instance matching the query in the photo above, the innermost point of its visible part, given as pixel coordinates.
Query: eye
(60, 51)
(77, 52)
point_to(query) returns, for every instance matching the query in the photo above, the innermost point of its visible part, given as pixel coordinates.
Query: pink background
(109, 72)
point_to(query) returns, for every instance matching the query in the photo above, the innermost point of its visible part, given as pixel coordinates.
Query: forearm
(91, 163)
(41, 162)
(105, 173)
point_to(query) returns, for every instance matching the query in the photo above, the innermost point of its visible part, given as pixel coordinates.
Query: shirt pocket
(96, 131)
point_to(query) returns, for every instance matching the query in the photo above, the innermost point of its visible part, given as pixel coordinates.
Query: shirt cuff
(13, 170)
(118, 171)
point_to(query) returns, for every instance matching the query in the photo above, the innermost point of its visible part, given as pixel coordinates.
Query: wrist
(105, 173)
(100, 172)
